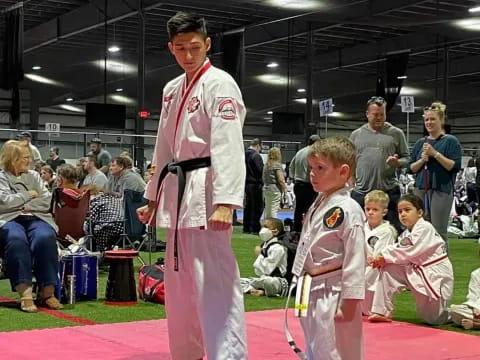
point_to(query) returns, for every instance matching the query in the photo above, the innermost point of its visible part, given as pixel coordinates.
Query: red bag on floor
(151, 286)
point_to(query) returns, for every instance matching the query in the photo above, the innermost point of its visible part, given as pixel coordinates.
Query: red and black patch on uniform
(169, 97)
(406, 241)
(333, 218)
(227, 110)
(372, 240)
(193, 104)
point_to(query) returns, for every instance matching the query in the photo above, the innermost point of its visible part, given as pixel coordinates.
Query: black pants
(304, 198)
(253, 208)
(392, 215)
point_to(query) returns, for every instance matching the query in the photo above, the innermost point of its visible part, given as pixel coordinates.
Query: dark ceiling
(351, 40)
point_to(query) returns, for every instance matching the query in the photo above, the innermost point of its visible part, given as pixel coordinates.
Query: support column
(34, 115)
(309, 109)
(446, 73)
(139, 122)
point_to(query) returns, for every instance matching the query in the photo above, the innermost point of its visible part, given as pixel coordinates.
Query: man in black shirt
(253, 188)
(55, 160)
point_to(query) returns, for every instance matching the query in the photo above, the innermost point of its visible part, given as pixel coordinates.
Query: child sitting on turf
(330, 258)
(419, 263)
(378, 235)
(271, 263)
(468, 313)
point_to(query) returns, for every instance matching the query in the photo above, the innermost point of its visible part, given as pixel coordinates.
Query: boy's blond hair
(338, 149)
(379, 197)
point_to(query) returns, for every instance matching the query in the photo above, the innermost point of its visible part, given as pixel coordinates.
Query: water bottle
(70, 291)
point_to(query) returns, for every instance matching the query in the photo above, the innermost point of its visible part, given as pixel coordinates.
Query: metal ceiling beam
(85, 18)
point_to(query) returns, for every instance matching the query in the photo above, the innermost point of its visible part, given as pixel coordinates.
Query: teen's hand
(346, 311)
(393, 161)
(144, 213)
(221, 218)
(257, 250)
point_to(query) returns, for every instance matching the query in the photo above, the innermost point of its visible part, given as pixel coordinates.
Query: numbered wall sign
(407, 103)
(52, 127)
(326, 107)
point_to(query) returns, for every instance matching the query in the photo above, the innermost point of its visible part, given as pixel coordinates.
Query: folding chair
(70, 209)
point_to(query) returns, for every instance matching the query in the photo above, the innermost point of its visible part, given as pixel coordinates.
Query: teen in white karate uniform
(201, 121)
(332, 251)
(379, 234)
(468, 313)
(271, 263)
(419, 263)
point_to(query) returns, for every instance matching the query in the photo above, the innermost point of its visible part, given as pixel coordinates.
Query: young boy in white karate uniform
(379, 234)
(331, 253)
(419, 263)
(271, 263)
(468, 313)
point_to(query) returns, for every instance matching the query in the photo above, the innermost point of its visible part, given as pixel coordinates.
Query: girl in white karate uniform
(419, 263)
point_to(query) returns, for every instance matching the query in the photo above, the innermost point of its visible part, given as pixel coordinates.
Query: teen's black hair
(183, 22)
(414, 200)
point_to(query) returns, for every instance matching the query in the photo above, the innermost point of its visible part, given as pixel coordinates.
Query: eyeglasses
(431, 108)
(378, 100)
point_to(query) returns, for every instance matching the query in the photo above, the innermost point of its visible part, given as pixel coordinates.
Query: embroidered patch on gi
(227, 110)
(372, 240)
(168, 98)
(334, 217)
(193, 104)
(406, 241)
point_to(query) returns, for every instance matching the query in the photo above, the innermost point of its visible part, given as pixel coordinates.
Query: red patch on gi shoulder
(193, 104)
(227, 110)
(169, 97)
(333, 218)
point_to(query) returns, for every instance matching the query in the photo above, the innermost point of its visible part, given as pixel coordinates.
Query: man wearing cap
(27, 136)
(103, 156)
(381, 149)
(302, 188)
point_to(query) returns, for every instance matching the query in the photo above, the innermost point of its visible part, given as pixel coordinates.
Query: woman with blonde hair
(27, 229)
(436, 159)
(273, 182)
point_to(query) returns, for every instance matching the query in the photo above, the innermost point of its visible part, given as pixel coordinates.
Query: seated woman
(27, 230)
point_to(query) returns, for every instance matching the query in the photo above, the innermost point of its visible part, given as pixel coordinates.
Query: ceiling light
(71, 108)
(301, 100)
(402, 77)
(296, 4)
(269, 112)
(474, 9)
(119, 90)
(36, 67)
(43, 79)
(301, 90)
(407, 90)
(113, 49)
(122, 99)
(69, 99)
(273, 79)
(115, 66)
(272, 65)
(469, 24)
(337, 114)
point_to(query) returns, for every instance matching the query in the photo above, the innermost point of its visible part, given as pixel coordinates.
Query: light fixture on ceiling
(114, 49)
(270, 112)
(301, 90)
(296, 4)
(69, 99)
(469, 24)
(43, 79)
(474, 9)
(273, 79)
(402, 77)
(408, 90)
(36, 67)
(272, 65)
(115, 66)
(119, 90)
(71, 108)
(301, 100)
(337, 114)
(122, 99)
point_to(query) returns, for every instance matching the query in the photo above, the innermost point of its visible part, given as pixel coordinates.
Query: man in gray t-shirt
(103, 156)
(381, 149)
(95, 179)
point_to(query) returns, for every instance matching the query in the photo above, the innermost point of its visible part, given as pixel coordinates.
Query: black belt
(180, 168)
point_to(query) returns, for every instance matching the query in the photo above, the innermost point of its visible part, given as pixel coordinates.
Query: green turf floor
(464, 255)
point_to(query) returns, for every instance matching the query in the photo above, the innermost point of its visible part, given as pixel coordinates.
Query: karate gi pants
(327, 339)
(393, 278)
(204, 300)
(460, 312)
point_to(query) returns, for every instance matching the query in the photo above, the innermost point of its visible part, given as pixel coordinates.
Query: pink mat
(147, 340)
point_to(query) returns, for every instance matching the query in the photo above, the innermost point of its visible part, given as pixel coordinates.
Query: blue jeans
(29, 243)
